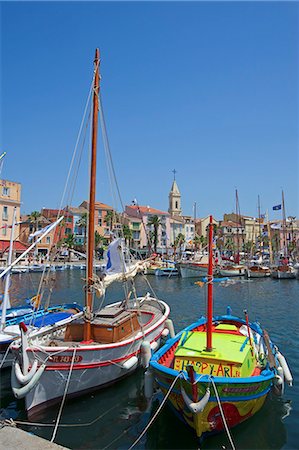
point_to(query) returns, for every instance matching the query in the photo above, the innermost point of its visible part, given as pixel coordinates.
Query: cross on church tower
(174, 198)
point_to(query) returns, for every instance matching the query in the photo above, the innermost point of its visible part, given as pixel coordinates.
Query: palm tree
(70, 243)
(155, 222)
(35, 218)
(179, 240)
(196, 241)
(203, 241)
(128, 235)
(82, 223)
(109, 219)
(98, 239)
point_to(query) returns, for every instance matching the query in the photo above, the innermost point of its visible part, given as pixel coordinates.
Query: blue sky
(210, 89)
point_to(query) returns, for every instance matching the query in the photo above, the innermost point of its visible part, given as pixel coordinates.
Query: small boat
(217, 372)
(36, 268)
(33, 318)
(283, 272)
(167, 272)
(190, 269)
(20, 269)
(232, 270)
(258, 271)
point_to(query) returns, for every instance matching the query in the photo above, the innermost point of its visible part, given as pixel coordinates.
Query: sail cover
(115, 261)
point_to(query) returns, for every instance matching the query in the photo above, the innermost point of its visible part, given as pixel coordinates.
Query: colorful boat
(218, 371)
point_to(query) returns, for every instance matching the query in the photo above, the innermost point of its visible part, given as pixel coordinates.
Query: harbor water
(116, 416)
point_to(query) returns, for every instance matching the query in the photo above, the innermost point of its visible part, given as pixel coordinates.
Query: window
(48, 240)
(68, 231)
(5, 191)
(4, 230)
(176, 205)
(100, 222)
(5, 213)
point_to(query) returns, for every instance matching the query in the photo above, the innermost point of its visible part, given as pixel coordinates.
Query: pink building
(139, 217)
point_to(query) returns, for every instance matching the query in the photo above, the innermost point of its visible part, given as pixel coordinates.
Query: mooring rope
(64, 396)
(157, 412)
(222, 415)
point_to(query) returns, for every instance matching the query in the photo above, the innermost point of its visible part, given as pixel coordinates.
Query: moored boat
(283, 272)
(232, 270)
(258, 271)
(217, 372)
(190, 269)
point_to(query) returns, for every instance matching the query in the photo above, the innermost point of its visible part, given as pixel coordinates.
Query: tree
(109, 218)
(196, 241)
(98, 239)
(203, 241)
(35, 218)
(128, 235)
(82, 223)
(70, 243)
(179, 240)
(155, 222)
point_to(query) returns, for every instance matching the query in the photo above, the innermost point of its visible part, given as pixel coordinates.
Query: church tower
(174, 199)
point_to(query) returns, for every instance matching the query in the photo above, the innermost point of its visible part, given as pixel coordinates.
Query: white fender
(278, 385)
(286, 371)
(129, 363)
(169, 325)
(24, 340)
(281, 381)
(199, 406)
(145, 354)
(148, 384)
(21, 391)
(24, 379)
(154, 345)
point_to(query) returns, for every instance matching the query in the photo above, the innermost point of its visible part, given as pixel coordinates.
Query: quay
(12, 437)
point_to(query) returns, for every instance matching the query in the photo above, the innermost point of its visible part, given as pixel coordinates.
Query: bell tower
(174, 198)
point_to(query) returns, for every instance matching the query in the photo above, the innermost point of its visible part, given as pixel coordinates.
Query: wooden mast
(92, 192)
(210, 289)
(284, 227)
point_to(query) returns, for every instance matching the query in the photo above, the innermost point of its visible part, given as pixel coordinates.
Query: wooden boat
(283, 272)
(190, 269)
(258, 271)
(232, 270)
(104, 346)
(217, 372)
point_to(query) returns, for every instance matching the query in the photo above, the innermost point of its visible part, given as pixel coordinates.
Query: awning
(17, 246)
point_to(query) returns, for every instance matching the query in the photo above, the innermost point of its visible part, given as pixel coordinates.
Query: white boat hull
(258, 273)
(283, 275)
(232, 272)
(95, 365)
(192, 270)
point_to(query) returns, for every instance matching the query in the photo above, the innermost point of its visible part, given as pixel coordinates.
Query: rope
(65, 425)
(223, 416)
(64, 396)
(157, 412)
(4, 357)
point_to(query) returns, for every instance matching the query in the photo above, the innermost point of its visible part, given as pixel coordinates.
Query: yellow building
(10, 198)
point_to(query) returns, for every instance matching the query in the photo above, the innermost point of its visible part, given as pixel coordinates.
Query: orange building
(10, 199)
